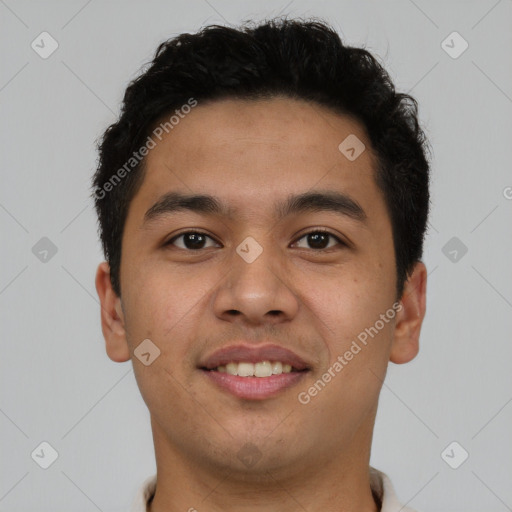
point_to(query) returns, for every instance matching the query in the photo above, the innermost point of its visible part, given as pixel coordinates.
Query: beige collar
(380, 483)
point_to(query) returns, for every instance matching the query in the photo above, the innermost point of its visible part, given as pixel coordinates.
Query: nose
(256, 292)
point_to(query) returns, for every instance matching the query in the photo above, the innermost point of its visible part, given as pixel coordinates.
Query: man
(262, 202)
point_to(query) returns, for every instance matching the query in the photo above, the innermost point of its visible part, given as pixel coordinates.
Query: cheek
(167, 307)
(164, 307)
(161, 298)
(348, 303)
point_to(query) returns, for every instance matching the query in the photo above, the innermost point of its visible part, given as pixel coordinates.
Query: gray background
(58, 385)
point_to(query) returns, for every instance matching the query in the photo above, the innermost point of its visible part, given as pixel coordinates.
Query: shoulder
(383, 488)
(145, 493)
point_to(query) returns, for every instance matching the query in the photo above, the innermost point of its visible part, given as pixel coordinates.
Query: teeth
(261, 369)
(245, 369)
(277, 368)
(232, 369)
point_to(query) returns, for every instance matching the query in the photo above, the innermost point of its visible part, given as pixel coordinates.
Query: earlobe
(409, 319)
(112, 316)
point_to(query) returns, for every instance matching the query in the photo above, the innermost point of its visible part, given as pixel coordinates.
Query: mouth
(260, 369)
(254, 373)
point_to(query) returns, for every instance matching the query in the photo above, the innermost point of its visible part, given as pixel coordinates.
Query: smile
(260, 369)
(254, 372)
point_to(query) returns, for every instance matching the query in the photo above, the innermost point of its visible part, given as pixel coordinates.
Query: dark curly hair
(304, 60)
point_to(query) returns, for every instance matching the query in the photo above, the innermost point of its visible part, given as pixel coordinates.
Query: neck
(341, 478)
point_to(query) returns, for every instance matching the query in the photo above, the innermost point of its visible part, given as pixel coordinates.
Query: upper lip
(253, 354)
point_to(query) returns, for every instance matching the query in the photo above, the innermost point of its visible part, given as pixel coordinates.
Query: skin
(253, 154)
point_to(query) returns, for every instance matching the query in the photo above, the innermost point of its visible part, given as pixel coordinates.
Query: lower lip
(254, 388)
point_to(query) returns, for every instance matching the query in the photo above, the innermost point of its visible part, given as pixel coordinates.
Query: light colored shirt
(380, 483)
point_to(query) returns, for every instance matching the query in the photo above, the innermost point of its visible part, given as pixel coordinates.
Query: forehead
(277, 124)
(247, 151)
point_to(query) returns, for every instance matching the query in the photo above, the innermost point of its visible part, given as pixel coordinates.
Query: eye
(195, 240)
(192, 240)
(319, 240)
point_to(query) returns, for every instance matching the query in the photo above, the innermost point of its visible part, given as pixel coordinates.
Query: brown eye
(191, 240)
(319, 240)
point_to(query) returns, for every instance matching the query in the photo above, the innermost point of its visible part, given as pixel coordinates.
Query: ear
(409, 318)
(112, 316)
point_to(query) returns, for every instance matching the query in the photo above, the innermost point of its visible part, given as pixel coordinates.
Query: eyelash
(317, 230)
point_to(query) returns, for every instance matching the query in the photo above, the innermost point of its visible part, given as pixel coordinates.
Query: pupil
(318, 240)
(194, 240)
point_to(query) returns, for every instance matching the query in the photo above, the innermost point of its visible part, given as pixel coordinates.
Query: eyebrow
(318, 201)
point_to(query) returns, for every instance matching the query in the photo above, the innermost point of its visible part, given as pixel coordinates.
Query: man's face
(255, 279)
